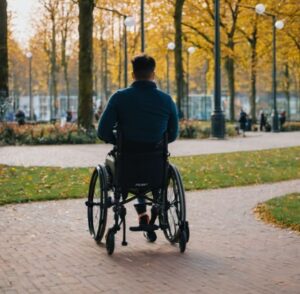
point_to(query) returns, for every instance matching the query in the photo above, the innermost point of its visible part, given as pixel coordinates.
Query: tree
(178, 51)
(3, 50)
(52, 9)
(66, 24)
(85, 107)
(252, 39)
(230, 26)
(229, 17)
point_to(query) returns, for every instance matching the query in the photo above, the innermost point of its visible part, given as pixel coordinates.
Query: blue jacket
(143, 112)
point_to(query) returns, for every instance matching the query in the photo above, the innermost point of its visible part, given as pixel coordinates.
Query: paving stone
(45, 250)
(91, 155)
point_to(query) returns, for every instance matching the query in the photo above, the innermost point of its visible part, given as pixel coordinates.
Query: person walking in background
(282, 119)
(243, 121)
(20, 117)
(69, 116)
(262, 122)
(98, 113)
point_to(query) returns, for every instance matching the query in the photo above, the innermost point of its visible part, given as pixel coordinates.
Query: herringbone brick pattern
(46, 248)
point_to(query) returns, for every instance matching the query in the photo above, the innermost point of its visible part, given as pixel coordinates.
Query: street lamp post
(142, 26)
(276, 24)
(128, 22)
(29, 56)
(217, 117)
(171, 47)
(190, 51)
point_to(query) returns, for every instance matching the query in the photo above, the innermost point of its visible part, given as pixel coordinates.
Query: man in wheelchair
(143, 114)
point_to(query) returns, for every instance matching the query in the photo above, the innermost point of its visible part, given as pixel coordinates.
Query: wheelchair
(128, 175)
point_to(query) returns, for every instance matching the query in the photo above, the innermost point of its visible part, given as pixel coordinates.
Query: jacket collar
(144, 84)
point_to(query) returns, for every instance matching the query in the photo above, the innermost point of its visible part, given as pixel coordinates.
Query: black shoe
(150, 236)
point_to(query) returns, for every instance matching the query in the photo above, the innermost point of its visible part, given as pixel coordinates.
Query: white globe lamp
(260, 8)
(171, 46)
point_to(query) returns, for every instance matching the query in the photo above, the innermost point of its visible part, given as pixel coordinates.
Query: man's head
(143, 67)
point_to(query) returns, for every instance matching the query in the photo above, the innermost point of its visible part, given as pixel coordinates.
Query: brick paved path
(89, 155)
(46, 248)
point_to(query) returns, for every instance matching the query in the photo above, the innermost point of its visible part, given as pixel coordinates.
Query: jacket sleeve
(173, 123)
(108, 121)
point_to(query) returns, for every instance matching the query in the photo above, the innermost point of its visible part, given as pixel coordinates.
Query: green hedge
(48, 134)
(201, 129)
(11, 134)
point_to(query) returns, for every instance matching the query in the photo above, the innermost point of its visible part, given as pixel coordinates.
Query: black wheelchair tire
(182, 241)
(99, 177)
(174, 237)
(187, 231)
(110, 242)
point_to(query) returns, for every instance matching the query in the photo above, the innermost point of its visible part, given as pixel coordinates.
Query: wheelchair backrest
(140, 166)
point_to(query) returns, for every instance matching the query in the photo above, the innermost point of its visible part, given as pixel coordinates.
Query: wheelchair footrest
(144, 228)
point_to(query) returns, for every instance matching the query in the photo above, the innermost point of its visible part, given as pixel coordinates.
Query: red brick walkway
(46, 248)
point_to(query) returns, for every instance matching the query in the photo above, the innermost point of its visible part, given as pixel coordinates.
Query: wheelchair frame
(161, 205)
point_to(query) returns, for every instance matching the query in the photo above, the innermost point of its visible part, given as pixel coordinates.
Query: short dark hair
(143, 66)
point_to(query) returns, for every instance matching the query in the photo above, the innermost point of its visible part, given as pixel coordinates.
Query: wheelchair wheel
(173, 217)
(182, 241)
(97, 200)
(110, 242)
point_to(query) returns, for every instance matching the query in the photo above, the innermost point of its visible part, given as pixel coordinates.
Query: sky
(23, 12)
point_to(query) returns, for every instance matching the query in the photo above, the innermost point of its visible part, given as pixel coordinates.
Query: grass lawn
(22, 184)
(283, 211)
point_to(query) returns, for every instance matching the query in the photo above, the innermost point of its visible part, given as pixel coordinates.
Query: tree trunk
(229, 66)
(54, 65)
(106, 72)
(85, 106)
(287, 84)
(66, 77)
(64, 63)
(253, 80)
(120, 53)
(178, 52)
(3, 50)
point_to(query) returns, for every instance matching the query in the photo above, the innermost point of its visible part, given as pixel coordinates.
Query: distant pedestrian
(20, 117)
(243, 121)
(282, 119)
(180, 114)
(98, 113)
(69, 116)
(249, 124)
(263, 121)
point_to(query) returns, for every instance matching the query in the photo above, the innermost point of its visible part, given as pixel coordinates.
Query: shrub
(200, 129)
(12, 134)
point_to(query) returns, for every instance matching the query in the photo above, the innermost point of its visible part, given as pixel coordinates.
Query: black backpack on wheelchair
(143, 172)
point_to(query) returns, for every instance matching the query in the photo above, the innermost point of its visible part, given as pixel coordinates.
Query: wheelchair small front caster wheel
(187, 230)
(110, 242)
(151, 236)
(182, 241)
